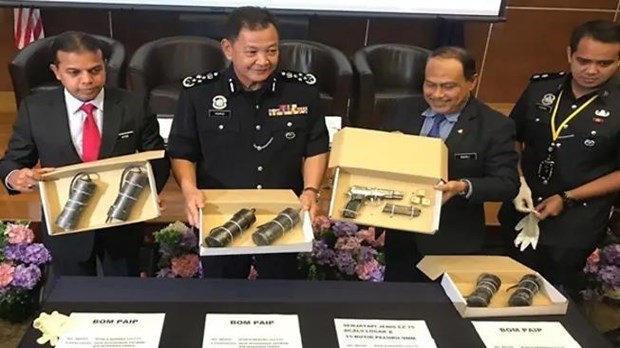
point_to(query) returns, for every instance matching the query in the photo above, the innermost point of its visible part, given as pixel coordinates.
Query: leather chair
(386, 73)
(30, 72)
(330, 66)
(158, 67)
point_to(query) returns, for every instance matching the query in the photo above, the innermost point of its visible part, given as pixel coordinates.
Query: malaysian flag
(28, 26)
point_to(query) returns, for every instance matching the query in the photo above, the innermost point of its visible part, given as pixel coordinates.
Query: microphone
(223, 235)
(527, 288)
(133, 182)
(267, 233)
(486, 286)
(81, 191)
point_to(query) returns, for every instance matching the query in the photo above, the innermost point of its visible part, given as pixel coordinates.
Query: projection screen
(481, 9)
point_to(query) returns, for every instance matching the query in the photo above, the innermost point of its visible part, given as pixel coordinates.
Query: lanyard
(555, 133)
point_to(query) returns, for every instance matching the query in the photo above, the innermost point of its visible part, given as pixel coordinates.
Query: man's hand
(161, 203)
(25, 179)
(523, 201)
(552, 206)
(194, 201)
(451, 189)
(309, 202)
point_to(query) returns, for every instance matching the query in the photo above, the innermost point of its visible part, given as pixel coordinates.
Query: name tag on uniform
(219, 113)
(466, 156)
(125, 135)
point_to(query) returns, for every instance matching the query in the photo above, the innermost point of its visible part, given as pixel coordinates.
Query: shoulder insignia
(547, 76)
(196, 80)
(306, 78)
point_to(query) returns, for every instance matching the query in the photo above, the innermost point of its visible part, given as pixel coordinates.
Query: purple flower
(345, 263)
(611, 254)
(342, 229)
(35, 253)
(165, 273)
(322, 253)
(609, 275)
(377, 274)
(188, 239)
(366, 254)
(26, 276)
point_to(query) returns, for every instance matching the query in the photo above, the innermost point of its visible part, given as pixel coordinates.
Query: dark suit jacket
(481, 149)
(41, 133)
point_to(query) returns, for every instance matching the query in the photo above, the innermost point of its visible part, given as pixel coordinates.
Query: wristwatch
(313, 189)
(569, 202)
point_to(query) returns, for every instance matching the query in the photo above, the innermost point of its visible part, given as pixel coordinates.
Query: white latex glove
(523, 202)
(529, 232)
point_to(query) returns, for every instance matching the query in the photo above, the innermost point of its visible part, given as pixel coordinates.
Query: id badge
(545, 170)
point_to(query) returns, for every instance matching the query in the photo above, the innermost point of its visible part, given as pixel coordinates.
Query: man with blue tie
(482, 164)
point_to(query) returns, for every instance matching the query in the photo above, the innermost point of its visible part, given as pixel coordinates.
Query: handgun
(359, 195)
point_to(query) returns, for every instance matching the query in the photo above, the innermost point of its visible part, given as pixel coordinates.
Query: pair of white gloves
(529, 224)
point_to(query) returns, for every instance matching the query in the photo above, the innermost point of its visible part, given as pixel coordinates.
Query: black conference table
(317, 303)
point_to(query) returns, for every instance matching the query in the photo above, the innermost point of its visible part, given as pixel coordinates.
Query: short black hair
(598, 30)
(452, 52)
(250, 17)
(76, 41)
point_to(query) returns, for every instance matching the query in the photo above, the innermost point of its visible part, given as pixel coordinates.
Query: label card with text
(370, 333)
(110, 330)
(252, 331)
(517, 334)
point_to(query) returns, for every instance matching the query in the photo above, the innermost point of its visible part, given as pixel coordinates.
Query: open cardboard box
(221, 205)
(460, 274)
(390, 161)
(107, 174)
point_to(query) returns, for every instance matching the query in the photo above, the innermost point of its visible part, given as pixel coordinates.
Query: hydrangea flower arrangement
(22, 269)
(341, 250)
(178, 250)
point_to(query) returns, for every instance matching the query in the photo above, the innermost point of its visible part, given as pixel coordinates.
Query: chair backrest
(330, 66)
(397, 66)
(29, 68)
(170, 59)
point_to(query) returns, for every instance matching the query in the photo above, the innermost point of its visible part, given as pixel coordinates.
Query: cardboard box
(391, 161)
(221, 205)
(107, 174)
(460, 274)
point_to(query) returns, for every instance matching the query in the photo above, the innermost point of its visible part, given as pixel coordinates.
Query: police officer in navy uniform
(568, 133)
(250, 126)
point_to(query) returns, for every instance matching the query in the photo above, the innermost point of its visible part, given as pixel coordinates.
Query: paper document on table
(111, 330)
(517, 334)
(370, 333)
(252, 331)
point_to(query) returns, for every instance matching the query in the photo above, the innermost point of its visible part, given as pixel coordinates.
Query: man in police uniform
(568, 133)
(249, 127)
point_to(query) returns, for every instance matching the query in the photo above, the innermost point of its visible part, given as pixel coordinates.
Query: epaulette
(547, 76)
(306, 78)
(196, 80)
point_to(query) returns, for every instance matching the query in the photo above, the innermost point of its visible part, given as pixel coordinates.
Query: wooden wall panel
(530, 41)
(7, 47)
(590, 4)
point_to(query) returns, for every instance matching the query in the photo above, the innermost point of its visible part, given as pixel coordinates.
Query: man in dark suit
(79, 123)
(482, 163)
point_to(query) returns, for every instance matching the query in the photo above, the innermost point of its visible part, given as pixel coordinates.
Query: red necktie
(91, 138)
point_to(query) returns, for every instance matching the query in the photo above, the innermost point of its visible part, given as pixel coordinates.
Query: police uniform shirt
(588, 147)
(248, 139)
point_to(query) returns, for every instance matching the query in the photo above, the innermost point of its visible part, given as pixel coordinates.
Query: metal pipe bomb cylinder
(274, 229)
(133, 183)
(81, 191)
(527, 288)
(223, 235)
(486, 286)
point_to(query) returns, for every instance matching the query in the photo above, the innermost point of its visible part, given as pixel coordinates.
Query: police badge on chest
(219, 104)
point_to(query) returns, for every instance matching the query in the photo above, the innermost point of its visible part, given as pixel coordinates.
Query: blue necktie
(437, 120)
